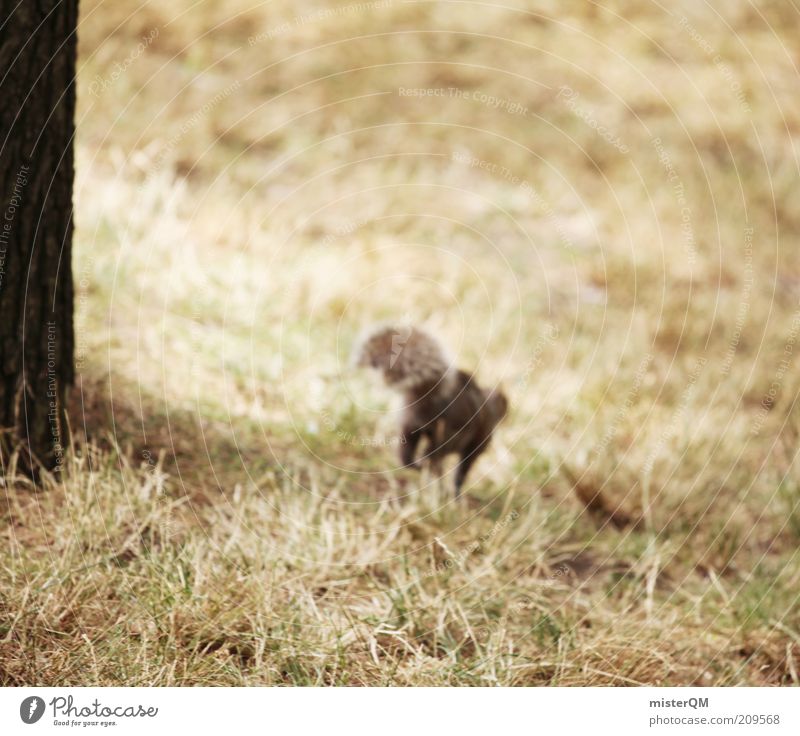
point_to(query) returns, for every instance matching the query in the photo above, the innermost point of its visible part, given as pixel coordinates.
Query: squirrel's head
(406, 356)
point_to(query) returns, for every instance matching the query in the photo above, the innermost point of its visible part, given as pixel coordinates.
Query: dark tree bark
(37, 111)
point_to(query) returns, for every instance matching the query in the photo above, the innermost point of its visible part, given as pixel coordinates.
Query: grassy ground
(598, 208)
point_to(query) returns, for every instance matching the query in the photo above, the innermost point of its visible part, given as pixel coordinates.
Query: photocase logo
(399, 340)
(31, 709)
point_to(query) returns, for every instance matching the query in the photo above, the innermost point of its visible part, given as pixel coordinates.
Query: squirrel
(444, 405)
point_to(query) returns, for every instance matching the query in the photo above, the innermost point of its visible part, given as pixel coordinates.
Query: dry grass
(231, 513)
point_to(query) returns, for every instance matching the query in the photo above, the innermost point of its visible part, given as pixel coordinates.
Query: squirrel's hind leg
(466, 461)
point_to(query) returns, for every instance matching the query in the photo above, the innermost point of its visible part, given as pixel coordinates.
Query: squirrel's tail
(407, 356)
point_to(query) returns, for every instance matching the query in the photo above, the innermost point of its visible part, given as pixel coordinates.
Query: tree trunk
(37, 110)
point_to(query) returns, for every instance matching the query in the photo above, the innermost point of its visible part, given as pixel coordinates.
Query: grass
(231, 513)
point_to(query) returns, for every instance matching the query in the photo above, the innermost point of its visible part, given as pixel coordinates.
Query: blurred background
(593, 204)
